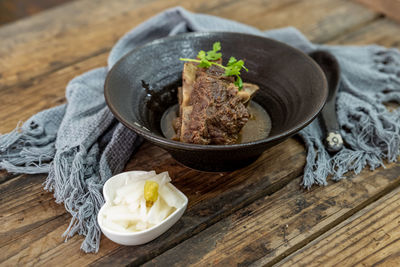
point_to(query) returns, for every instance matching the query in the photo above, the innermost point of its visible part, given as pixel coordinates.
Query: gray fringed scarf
(80, 145)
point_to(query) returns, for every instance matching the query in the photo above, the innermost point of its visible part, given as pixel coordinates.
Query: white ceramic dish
(135, 238)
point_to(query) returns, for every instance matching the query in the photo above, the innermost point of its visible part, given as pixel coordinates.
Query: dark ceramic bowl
(142, 85)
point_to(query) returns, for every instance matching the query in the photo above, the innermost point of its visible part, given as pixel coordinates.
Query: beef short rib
(211, 111)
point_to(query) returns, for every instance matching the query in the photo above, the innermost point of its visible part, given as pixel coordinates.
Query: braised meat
(211, 111)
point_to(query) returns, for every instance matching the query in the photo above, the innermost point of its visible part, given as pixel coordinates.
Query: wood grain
(48, 89)
(324, 20)
(41, 93)
(370, 237)
(11, 10)
(22, 41)
(275, 225)
(390, 8)
(74, 34)
(384, 32)
(44, 86)
(40, 54)
(5, 176)
(26, 209)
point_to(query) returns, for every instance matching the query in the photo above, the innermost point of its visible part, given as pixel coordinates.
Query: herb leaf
(206, 59)
(204, 63)
(213, 54)
(201, 54)
(217, 46)
(234, 68)
(231, 61)
(239, 82)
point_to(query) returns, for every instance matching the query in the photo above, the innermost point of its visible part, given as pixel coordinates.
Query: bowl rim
(142, 131)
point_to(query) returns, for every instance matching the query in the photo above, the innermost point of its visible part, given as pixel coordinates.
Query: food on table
(142, 203)
(214, 103)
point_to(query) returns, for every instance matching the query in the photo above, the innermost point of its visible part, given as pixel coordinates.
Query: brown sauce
(258, 126)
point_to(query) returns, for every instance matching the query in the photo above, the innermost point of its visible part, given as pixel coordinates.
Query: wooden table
(257, 215)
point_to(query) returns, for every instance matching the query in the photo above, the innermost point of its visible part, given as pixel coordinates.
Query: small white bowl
(135, 238)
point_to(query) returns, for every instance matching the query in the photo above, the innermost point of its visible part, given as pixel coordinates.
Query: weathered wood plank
(383, 32)
(75, 32)
(11, 10)
(20, 103)
(84, 29)
(79, 30)
(4, 176)
(324, 20)
(388, 7)
(97, 31)
(25, 206)
(368, 238)
(37, 245)
(26, 209)
(278, 224)
(31, 95)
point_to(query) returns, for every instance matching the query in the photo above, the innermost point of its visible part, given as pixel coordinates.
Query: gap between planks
(335, 223)
(306, 214)
(208, 196)
(6, 176)
(37, 81)
(322, 249)
(319, 33)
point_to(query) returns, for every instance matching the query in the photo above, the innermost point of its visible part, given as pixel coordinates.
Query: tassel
(29, 148)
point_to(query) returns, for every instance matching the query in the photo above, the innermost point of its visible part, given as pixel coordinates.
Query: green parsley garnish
(206, 59)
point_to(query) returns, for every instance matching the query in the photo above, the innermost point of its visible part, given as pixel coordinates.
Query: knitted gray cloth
(80, 144)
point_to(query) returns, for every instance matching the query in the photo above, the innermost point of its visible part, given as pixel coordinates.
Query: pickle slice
(150, 192)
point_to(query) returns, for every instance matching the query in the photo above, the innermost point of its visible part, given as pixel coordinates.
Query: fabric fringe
(27, 149)
(372, 140)
(370, 131)
(76, 183)
(318, 164)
